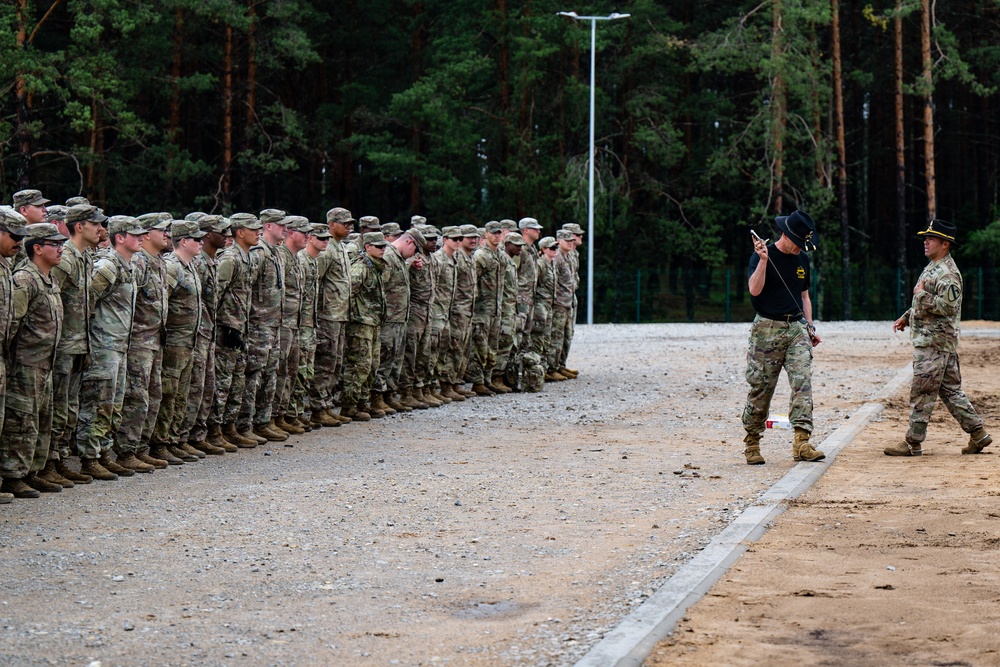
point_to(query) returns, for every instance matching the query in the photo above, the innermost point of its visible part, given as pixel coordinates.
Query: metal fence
(706, 294)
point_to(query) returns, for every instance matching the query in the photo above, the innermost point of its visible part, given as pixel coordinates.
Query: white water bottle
(778, 421)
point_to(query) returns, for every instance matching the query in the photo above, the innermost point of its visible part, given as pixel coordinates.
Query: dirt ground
(514, 530)
(885, 561)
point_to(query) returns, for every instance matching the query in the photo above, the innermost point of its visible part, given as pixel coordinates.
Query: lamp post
(590, 187)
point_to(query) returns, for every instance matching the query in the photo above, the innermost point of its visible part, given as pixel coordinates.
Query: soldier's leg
(196, 390)
(20, 433)
(954, 397)
(560, 316)
(375, 358)
(267, 378)
(136, 402)
(174, 361)
(101, 383)
(180, 402)
(798, 366)
(305, 372)
(380, 382)
(765, 357)
(928, 372)
(62, 394)
(357, 362)
(282, 391)
(398, 353)
(155, 393)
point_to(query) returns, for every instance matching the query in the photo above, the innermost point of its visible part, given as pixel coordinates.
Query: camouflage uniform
(367, 312)
(332, 312)
(508, 312)
(439, 361)
(562, 308)
(490, 272)
(574, 260)
(6, 314)
(102, 391)
(235, 279)
(392, 333)
(263, 353)
(309, 268)
(35, 328)
(143, 391)
(288, 336)
(776, 344)
(416, 363)
(182, 326)
(460, 321)
(541, 317)
(201, 394)
(73, 276)
(934, 316)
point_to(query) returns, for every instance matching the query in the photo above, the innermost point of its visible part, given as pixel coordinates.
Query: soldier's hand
(813, 336)
(761, 249)
(900, 324)
(418, 261)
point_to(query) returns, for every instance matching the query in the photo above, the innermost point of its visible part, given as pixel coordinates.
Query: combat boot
(978, 441)
(182, 454)
(194, 451)
(248, 434)
(143, 455)
(6, 498)
(206, 447)
(17, 488)
(482, 390)
(38, 484)
(77, 478)
(355, 414)
(270, 435)
(283, 423)
(112, 466)
(379, 405)
(50, 474)
(905, 448)
(300, 421)
(161, 452)
(552, 376)
(499, 386)
(321, 418)
(448, 393)
(341, 417)
(802, 450)
(132, 462)
(460, 389)
(752, 451)
(431, 397)
(230, 433)
(410, 400)
(216, 439)
(568, 373)
(94, 468)
(394, 404)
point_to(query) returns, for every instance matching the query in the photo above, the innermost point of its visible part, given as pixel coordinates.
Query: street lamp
(590, 188)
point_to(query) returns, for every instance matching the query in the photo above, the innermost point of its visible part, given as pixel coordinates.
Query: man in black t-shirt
(782, 335)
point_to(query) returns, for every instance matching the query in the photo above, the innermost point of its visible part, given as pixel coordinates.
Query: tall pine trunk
(900, 156)
(225, 184)
(927, 79)
(838, 102)
(779, 118)
(248, 184)
(23, 103)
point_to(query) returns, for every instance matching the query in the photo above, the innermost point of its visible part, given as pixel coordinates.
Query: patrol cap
(353, 237)
(12, 222)
(29, 198)
(573, 228)
(515, 238)
(564, 235)
(297, 223)
(195, 216)
(186, 229)
(84, 213)
(508, 224)
(319, 231)
(73, 201)
(942, 230)
(125, 224)
(482, 232)
(429, 231)
(375, 239)
(369, 222)
(417, 220)
(391, 229)
(56, 212)
(417, 236)
(273, 215)
(213, 223)
(341, 215)
(159, 221)
(244, 221)
(528, 223)
(546, 243)
(451, 232)
(492, 227)
(44, 231)
(469, 230)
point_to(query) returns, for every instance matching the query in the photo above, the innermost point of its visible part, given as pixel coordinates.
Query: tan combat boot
(752, 451)
(426, 394)
(248, 434)
(38, 484)
(321, 418)
(552, 376)
(269, 434)
(287, 426)
(50, 474)
(130, 461)
(394, 404)
(94, 468)
(379, 405)
(569, 373)
(905, 448)
(112, 466)
(407, 398)
(355, 414)
(194, 451)
(230, 433)
(62, 467)
(499, 386)
(300, 421)
(802, 450)
(182, 454)
(482, 390)
(978, 441)
(17, 488)
(216, 439)
(459, 388)
(206, 447)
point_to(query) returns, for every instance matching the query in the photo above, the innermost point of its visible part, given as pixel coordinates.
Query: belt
(783, 318)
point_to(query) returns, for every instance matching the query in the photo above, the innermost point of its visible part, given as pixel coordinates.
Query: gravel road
(512, 530)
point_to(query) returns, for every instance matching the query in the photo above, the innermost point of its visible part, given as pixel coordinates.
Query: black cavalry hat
(941, 229)
(800, 228)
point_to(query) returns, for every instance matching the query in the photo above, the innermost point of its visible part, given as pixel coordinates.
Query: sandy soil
(514, 530)
(885, 561)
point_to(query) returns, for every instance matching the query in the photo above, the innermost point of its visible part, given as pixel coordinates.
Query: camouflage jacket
(267, 295)
(367, 295)
(6, 304)
(527, 276)
(37, 319)
(508, 302)
(309, 268)
(207, 268)
(114, 292)
(235, 277)
(562, 265)
(334, 272)
(444, 268)
(936, 310)
(489, 283)
(150, 296)
(421, 284)
(545, 287)
(73, 276)
(183, 302)
(292, 279)
(465, 285)
(396, 284)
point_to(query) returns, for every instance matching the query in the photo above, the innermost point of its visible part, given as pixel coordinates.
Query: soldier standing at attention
(782, 335)
(35, 328)
(12, 231)
(440, 390)
(462, 308)
(316, 243)
(933, 319)
(288, 335)
(361, 357)
(396, 285)
(415, 373)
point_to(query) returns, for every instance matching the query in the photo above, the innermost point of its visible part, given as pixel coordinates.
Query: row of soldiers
(135, 343)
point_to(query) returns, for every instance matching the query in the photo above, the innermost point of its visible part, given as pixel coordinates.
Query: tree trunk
(23, 104)
(227, 117)
(779, 119)
(928, 92)
(901, 238)
(251, 102)
(173, 128)
(416, 138)
(838, 101)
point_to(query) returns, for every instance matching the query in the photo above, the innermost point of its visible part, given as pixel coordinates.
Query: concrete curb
(629, 644)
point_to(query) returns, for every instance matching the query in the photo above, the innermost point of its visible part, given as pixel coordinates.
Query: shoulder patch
(800, 273)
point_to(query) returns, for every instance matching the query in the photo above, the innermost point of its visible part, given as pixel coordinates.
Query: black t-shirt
(774, 301)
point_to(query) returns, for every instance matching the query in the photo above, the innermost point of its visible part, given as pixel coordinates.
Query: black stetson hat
(941, 229)
(800, 228)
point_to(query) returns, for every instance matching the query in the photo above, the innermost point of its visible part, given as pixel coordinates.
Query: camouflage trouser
(541, 332)
(27, 426)
(438, 357)
(459, 333)
(102, 398)
(937, 373)
(142, 394)
(306, 372)
(561, 318)
(201, 393)
(67, 373)
(525, 325)
(178, 363)
(393, 341)
(230, 380)
(568, 335)
(483, 349)
(288, 365)
(331, 339)
(261, 374)
(507, 342)
(775, 345)
(361, 359)
(416, 352)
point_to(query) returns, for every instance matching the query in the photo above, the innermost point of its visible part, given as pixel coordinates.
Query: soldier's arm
(946, 298)
(61, 271)
(24, 290)
(226, 273)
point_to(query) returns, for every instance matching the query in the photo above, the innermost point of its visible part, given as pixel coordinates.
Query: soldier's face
(90, 231)
(375, 250)
(935, 248)
(318, 244)
(530, 235)
(577, 240)
(549, 252)
(34, 214)
(9, 244)
(133, 242)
